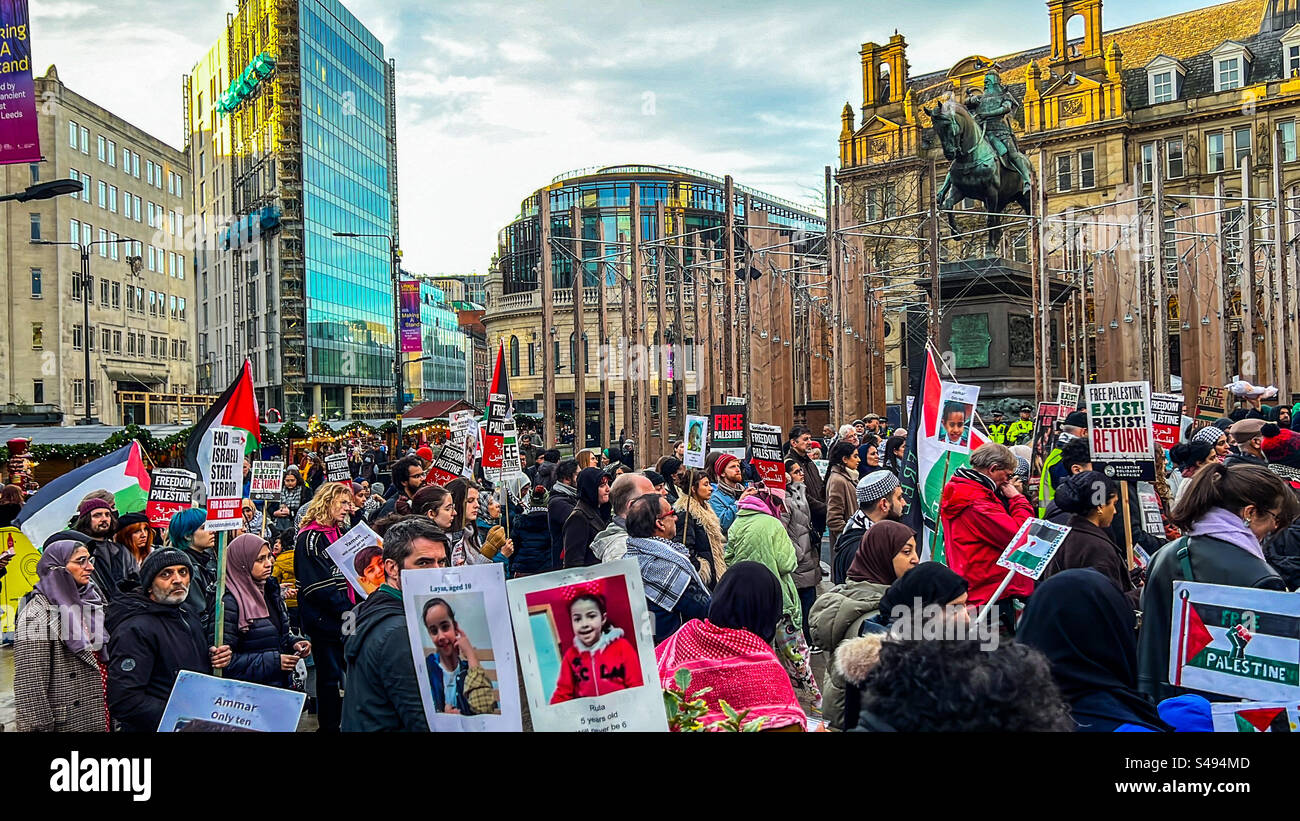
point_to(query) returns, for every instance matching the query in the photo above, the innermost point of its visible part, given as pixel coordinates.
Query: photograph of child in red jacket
(601, 660)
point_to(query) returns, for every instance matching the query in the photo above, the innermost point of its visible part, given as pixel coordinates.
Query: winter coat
(816, 491)
(292, 499)
(841, 499)
(699, 529)
(255, 651)
(563, 499)
(1283, 553)
(724, 507)
(282, 572)
(149, 645)
(532, 537)
(545, 475)
(55, 689)
(584, 523)
(382, 693)
(322, 588)
(114, 565)
(201, 601)
(610, 544)
(610, 665)
(758, 536)
(1087, 545)
(838, 615)
(798, 524)
(977, 526)
(1212, 561)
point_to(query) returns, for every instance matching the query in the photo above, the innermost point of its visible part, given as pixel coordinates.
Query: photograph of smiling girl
(462, 645)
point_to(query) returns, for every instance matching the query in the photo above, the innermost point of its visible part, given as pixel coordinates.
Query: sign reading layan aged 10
(171, 491)
(765, 454)
(1167, 418)
(265, 481)
(1119, 430)
(225, 480)
(727, 429)
(19, 138)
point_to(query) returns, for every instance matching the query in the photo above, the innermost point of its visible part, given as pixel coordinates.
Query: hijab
(930, 582)
(874, 561)
(82, 605)
(747, 598)
(1087, 630)
(249, 594)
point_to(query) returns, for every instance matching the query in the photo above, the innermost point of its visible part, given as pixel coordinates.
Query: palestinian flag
(927, 466)
(1263, 720)
(121, 472)
(236, 408)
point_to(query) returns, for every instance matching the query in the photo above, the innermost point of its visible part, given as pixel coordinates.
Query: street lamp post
(395, 258)
(87, 294)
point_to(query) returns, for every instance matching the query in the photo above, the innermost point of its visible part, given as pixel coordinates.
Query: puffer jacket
(797, 519)
(255, 651)
(282, 572)
(836, 616)
(610, 544)
(382, 693)
(532, 537)
(978, 524)
(699, 530)
(149, 645)
(815, 490)
(758, 536)
(841, 499)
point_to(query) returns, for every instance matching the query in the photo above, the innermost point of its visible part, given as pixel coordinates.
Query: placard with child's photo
(586, 649)
(956, 412)
(459, 626)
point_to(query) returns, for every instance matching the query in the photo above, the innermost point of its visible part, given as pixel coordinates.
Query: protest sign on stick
(206, 704)
(171, 491)
(265, 481)
(1211, 403)
(1067, 395)
(359, 558)
(727, 429)
(765, 454)
(1028, 553)
(956, 413)
(1167, 418)
(458, 623)
(337, 468)
(449, 464)
(1256, 716)
(225, 480)
(697, 428)
(1119, 430)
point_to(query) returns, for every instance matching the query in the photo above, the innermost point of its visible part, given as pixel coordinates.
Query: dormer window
(1231, 66)
(1291, 53)
(1164, 80)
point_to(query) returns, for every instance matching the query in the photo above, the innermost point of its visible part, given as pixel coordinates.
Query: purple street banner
(19, 141)
(410, 315)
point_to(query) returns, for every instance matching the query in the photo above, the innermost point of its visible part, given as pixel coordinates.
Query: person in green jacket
(998, 428)
(757, 535)
(1021, 430)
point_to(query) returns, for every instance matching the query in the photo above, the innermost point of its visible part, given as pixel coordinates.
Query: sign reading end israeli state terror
(1120, 430)
(225, 479)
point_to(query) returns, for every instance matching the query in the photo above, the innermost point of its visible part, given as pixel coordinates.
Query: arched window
(514, 356)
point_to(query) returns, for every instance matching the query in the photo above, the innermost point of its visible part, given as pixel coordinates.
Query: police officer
(998, 428)
(1021, 431)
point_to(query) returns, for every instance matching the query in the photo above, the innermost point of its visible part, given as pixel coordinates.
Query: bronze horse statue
(977, 172)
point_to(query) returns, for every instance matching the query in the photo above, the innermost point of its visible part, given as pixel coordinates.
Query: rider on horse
(991, 109)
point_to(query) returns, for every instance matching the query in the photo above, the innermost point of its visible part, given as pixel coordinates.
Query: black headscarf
(931, 582)
(748, 598)
(1087, 630)
(589, 480)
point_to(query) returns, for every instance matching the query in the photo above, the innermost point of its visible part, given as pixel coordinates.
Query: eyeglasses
(669, 515)
(84, 561)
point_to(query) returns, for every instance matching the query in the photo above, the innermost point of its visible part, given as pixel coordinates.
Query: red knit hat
(720, 464)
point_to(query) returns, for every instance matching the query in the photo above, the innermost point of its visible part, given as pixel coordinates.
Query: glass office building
(445, 374)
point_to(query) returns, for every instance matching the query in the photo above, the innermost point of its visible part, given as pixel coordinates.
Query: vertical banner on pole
(409, 291)
(19, 139)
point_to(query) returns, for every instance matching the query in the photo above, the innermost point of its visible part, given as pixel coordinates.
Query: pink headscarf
(250, 595)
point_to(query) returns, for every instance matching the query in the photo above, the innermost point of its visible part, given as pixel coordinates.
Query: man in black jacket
(114, 564)
(382, 693)
(564, 495)
(408, 477)
(587, 518)
(151, 639)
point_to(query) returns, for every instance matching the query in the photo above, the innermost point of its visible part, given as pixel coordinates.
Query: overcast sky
(496, 98)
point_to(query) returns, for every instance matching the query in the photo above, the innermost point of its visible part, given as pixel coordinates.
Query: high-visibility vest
(1020, 427)
(998, 432)
(1045, 489)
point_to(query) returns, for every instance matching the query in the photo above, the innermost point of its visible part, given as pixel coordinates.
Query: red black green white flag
(236, 407)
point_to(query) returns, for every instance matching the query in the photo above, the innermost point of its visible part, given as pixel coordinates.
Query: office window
(532, 358)
(38, 336)
(112, 198)
(106, 337)
(130, 299)
(101, 143)
(72, 134)
(85, 141)
(1228, 74)
(203, 165)
(117, 342)
(179, 193)
(78, 392)
(181, 302)
(151, 258)
(76, 337)
(1064, 173)
(35, 170)
(1162, 87)
(148, 171)
(1174, 158)
(103, 292)
(76, 285)
(184, 351)
(175, 349)
(74, 231)
(36, 226)
(1240, 146)
(1214, 152)
(114, 248)
(126, 160)
(37, 285)
(1087, 173)
(151, 215)
(130, 343)
(103, 194)
(1148, 161)
(153, 347)
(112, 153)
(103, 243)
(38, 391)
(135, 165)
(117, 294)
(85, 191)
(1287, 127)
(172, 301)
(153, 303)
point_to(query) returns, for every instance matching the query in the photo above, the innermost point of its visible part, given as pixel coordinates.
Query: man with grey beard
(151, 639)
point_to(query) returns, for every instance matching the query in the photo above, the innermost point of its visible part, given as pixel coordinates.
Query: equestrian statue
(986, 165)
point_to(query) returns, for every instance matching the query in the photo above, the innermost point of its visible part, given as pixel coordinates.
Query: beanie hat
(720, 464)
(670, 466)
(1077, 419)
(131, 519)
(1022, 468)
(156, 561)
(876, 485)
(1078, 493)
(655, 478)
(65, 536)
(425, 453)
(89, 505)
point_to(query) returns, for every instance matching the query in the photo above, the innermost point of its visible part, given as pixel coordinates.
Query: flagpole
(219, 614)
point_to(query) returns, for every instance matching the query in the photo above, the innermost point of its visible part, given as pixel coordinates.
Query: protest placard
(1238, 641)
(956, 412)
(911, 400)
(359, 558)
(265, 481)
(1211, 403)
(727, 429)
(1167, 418)
(206, 704)
(337, 468)
(1256, 716)
(765, 454)
(586, 648)
(510, 464)
(495, 432)
(736, 400)
(697, 429)
(1152, 520)
(1033, 547)
(458, 424)
(458, 623)
(225, 481)
(1067, 395)
(172, 491)
(449, 464)
(1119, 430)
(1047, 426)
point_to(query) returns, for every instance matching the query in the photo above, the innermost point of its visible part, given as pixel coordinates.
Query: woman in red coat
(981, 511)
